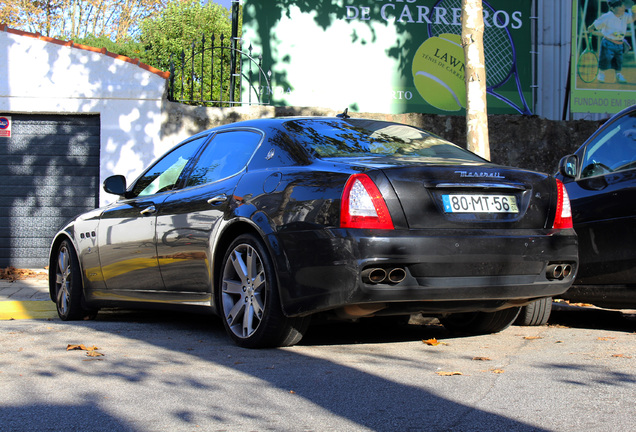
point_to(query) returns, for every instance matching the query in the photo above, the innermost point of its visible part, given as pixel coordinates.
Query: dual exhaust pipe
(558, 271)
(378, 275)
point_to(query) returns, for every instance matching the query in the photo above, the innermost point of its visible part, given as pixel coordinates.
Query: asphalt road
(179, 372)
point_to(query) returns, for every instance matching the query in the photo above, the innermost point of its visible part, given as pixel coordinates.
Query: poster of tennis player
(603, 41)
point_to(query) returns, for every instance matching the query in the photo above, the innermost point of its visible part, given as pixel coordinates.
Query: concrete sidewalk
(26, 299)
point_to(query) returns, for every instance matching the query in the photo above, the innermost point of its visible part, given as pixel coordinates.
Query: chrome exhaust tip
(397, 275)
(554, 271)
(373, 275)
(567, 271)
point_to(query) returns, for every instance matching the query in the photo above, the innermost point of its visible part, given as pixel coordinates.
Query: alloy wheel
(244, 290)
(63, 280)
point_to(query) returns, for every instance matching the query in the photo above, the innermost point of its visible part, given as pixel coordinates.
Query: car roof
(272, 121)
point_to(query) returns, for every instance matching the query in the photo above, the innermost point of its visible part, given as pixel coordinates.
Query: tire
(536, 313)
(69, 297)
(248, 299)
(480, 322)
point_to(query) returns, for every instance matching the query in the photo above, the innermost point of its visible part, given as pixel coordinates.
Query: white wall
(41, 75)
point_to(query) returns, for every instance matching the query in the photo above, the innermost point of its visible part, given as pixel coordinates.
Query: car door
(603, 199)
(127, 250)
(187, 220)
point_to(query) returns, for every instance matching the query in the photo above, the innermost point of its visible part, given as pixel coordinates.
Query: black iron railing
(219, 73)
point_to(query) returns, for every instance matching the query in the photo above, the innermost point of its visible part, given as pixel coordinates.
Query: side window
(164, 174)
(225, 155)
(613, 150)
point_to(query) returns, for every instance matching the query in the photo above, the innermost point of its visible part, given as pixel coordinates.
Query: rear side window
(225, 155)
(367, 138)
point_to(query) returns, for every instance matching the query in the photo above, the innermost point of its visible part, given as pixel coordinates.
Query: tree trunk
(476, 111)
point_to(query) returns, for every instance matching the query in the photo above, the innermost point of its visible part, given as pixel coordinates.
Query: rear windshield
(332, 138)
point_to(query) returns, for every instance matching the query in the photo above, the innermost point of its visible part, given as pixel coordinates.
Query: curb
(26, 299)
(30, 309)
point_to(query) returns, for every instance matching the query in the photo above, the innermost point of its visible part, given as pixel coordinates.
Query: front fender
(82, 234)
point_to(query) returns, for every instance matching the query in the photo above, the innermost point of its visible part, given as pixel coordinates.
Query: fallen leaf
(431, 342)
(90, 351)
(481, 358)
(71, 347)
(532, 337)
(292, 392)
(442, 373)
(498, 371)
(12, 274)
(606, 338)
(621, 356)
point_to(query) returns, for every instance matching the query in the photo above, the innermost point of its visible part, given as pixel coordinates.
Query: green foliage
(128, 47)
(183, 28)
(180, 24)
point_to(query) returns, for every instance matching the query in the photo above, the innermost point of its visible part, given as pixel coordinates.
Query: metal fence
(219, 73)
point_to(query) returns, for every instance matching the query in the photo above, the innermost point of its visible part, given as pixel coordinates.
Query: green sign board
(603, 78)
(393, 56)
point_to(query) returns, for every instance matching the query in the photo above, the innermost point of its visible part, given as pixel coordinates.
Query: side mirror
(568, 166)
(115, 185)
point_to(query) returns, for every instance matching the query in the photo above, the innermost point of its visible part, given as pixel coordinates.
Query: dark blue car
(601, 181)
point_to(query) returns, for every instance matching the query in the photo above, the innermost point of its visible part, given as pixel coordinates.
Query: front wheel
(481, 322)
(68, 285)
(248, 298)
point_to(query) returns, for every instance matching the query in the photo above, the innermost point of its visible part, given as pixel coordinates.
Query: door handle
(219, 199)
(149, 210)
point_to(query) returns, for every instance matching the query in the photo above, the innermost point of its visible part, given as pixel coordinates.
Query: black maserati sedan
(272, 222)
(600, 178)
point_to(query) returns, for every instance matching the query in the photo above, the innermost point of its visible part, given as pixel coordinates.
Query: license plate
(480, 204)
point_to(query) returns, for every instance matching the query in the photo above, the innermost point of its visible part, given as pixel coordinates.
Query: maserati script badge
(474, 174)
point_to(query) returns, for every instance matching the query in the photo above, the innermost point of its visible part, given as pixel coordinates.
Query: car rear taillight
(362, 205)
(563, 217)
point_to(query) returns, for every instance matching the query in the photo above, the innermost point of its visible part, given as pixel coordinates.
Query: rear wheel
(481, 322)
(68, 285)
(536, 313)
(248, 298)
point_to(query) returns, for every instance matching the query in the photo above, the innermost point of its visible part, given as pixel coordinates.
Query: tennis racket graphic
(499, 51)
(587, 65)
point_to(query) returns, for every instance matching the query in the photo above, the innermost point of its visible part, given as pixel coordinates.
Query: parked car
(600, 178)
(271, 222)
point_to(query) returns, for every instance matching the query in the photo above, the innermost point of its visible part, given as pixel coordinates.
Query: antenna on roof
(344, 114)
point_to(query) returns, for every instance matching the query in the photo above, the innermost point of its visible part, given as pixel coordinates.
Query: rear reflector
(563, 217)
(362, 205)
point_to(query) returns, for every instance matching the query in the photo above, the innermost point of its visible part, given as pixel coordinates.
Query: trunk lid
(452, 194)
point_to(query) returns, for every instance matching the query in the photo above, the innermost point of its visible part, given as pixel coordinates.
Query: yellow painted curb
(38, 309)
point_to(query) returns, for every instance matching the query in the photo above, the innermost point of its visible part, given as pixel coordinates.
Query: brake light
(563, 217)
(362, 205)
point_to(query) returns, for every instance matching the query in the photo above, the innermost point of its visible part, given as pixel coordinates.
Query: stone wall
(524, 141)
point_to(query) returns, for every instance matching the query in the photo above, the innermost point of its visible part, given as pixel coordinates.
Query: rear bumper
(470, 269)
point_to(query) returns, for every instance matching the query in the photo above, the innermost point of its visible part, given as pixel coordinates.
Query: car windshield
(364, 138)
